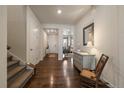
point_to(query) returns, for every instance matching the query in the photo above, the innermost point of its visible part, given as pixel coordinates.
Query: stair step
(22, 79)
(11, 63)
(14, 71)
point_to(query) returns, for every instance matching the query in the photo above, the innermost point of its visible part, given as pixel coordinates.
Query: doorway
(68, 43)
(53, 43)
(52, 40)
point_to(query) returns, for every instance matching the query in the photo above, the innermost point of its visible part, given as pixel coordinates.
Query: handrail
(24, 62)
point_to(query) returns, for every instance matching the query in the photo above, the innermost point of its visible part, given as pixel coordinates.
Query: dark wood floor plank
(51, 73)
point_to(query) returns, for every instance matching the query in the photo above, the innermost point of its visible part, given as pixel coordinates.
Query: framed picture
(88, 34)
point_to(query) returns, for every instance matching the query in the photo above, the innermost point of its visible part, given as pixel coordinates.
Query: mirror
(88, 35)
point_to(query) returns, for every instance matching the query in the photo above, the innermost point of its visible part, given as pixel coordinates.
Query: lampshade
(89, 44)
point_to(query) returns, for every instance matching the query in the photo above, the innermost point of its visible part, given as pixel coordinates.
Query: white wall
(34, 38)
(121, 45)
(86, 20)
(108, 39)
(3, 46)
(44, 43)
(18, 33)
(16, 26)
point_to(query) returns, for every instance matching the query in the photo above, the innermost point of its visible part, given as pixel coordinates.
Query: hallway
(86, 32)
(51, 73)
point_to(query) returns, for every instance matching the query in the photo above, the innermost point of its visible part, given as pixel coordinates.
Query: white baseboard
(109, 84)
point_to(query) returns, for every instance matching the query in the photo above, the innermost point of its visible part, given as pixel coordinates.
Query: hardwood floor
(51, 73)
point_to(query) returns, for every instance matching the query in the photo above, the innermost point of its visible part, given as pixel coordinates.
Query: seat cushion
(88, 74)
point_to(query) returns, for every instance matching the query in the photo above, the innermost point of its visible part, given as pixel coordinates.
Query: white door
(34, 44)
(53, 43)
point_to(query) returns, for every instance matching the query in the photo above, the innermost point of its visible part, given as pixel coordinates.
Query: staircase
(18, 74)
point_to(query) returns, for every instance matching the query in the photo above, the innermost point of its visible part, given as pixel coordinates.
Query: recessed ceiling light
(59, 11)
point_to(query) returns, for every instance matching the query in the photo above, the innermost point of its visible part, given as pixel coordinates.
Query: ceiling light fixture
(48, 31)
(59, 11)
(52, 30)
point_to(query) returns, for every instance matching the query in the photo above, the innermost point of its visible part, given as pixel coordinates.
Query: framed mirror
(88, 35)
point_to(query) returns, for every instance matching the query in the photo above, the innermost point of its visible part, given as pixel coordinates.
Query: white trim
(109, 84)
(3, 46)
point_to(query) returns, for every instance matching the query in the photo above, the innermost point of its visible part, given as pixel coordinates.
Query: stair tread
(14, 71)
(21, 79)
(10, 63)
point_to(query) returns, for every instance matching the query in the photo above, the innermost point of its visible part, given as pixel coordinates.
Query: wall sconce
(36, 30)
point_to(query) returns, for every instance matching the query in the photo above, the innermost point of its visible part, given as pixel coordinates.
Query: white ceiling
(70, 13)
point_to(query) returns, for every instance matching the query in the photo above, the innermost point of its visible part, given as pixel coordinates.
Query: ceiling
(70, 13)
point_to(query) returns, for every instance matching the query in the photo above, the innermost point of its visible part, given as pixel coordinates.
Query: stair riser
(12, 66)
(19, 72)
(23, 84)
(10, 80)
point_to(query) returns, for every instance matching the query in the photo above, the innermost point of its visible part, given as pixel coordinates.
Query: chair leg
(97, 85)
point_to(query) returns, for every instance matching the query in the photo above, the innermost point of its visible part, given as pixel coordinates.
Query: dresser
(83, 60)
